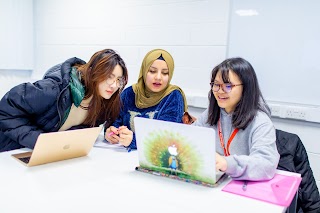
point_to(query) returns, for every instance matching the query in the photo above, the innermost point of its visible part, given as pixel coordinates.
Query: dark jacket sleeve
(294, 158)
(21, 105)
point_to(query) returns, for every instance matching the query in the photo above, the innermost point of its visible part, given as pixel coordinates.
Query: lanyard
(226, 149)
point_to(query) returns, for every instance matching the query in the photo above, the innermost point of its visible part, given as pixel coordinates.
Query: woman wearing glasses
(151, 97)
(73, 94)
(246, 139)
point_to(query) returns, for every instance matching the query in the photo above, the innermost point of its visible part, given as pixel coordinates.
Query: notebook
(178, 151)
(279, 190)
(57, 146)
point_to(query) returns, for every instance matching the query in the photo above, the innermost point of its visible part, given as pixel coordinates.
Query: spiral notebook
(178, 151)
(279, 190)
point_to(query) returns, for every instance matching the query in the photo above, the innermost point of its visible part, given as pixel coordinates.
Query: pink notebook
(280, 190)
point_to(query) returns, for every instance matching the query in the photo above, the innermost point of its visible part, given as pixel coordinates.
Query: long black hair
(251, 100)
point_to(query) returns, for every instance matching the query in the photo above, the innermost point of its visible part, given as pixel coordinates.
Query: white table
(106, 181)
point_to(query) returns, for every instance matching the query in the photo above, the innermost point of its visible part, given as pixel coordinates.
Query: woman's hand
(221, 163)
(120, 135)
(112, 135)
(125, 136)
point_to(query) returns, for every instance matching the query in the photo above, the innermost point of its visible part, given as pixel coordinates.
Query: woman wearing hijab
(151, 97)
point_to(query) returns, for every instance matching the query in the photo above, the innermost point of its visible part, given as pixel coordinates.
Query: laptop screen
(176, 149)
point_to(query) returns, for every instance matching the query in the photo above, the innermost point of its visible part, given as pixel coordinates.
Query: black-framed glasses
(119, 81)
(226, 87)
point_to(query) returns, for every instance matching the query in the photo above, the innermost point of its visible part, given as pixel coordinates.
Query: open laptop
(57, 146)
(177, 151)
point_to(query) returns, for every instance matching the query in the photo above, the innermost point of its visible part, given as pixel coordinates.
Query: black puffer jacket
(294, 158)
(33, 108)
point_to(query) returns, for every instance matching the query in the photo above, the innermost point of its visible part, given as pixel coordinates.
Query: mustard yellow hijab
(144, 96)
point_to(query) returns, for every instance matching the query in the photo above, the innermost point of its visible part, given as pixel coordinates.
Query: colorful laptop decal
(176, 150)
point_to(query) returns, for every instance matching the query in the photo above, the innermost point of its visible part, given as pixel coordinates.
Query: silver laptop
(57, 146)
(177, 151)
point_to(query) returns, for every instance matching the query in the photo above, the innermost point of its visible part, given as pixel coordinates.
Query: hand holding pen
(120, 135)
(111, 134)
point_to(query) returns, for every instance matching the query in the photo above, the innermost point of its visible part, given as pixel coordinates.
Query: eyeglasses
(119, 81)
(225, 87)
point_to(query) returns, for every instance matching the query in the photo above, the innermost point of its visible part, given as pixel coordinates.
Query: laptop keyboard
(25, 160)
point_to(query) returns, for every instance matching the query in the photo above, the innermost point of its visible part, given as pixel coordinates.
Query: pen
(111, 133)
(244, 186)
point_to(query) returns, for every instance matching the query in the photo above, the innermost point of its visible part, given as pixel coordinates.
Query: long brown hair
(97, 70)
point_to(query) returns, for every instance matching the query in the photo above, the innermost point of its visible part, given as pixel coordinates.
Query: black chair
(294, 158)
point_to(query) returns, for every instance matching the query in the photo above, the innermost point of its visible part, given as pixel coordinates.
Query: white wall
(282, 44)
(287, 37)
(16, 42)
(16, 35)
(193, 31)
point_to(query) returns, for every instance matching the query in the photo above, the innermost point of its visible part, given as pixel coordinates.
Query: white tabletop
(106, 181)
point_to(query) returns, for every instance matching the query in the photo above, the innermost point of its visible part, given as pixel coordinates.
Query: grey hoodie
(253, 151)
